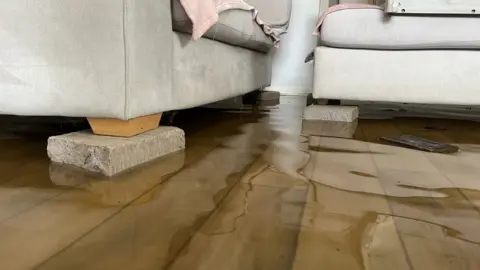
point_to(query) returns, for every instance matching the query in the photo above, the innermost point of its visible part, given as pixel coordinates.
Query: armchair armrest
(325, 4)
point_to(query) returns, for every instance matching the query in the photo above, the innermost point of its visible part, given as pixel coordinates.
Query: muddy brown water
(254, 189)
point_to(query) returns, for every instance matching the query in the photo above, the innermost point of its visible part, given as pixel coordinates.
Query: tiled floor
(254, 190)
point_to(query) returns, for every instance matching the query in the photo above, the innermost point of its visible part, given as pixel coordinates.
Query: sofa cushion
(235, 27)
(373, 29)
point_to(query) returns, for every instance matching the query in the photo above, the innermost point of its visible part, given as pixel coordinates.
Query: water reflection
(249, 203)
(121, 189)
(260, 189)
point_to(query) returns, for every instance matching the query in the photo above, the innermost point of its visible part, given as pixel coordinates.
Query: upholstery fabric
(109, 60)
(338, 8)
(414, 76)
(235, 27)
(113, 59)
(373, 29)
(198, 78)
(55, 60)
(148, 57)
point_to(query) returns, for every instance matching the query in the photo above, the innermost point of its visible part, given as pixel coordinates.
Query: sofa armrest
(149, 57)
(275, 12)
(85, 58)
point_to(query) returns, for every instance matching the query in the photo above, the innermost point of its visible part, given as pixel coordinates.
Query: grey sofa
(126, 59)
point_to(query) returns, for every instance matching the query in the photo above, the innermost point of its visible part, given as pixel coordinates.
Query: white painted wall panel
(290, 74)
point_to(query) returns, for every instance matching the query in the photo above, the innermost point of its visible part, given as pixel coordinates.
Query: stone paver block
(329, 128)
(331, 113)
(111, 155)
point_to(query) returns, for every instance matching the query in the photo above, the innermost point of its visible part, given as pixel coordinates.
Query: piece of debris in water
(422, 144)
(435, 128)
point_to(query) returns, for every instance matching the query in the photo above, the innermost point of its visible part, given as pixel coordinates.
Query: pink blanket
(204, 14)
(339, 8)
(330, 10)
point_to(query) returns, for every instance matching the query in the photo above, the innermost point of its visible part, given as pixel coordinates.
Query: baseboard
(292, 91)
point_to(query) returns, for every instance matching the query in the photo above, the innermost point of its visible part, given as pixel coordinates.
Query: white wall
(290, 74)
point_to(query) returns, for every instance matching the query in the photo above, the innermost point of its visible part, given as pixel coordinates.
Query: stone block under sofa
(369, 55)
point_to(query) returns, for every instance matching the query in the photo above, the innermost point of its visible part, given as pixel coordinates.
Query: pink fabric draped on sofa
(339, 8)
(331, 10)
(204, 14)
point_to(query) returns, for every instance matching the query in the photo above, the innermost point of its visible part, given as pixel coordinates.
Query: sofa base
(427, 77)
(207, 71)
(122, 189)
(248, 101)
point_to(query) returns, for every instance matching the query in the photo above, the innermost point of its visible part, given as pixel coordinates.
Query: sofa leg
(262, 98)
(334, 102)
(124, 128)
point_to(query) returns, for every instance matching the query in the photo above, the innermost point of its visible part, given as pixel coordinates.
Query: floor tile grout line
(450, 180)
(38, 159)
(461, 192)
(310, 187)
(218, 205)
(446, 176)
(400, 238)
(424, 154)
(36, 205)
(92, 229)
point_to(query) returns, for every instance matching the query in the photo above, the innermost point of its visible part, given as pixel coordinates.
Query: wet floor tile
(256, 188)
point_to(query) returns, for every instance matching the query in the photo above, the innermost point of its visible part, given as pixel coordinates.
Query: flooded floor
(257, 189)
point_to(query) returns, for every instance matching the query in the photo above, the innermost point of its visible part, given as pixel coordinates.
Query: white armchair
(369, 55)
